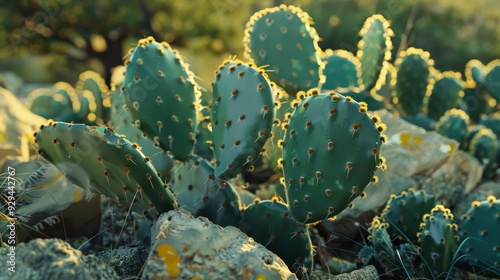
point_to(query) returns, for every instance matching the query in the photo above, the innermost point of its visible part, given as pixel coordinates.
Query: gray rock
(126, 261)
(190, 248)
(419, 159)
(50, 259)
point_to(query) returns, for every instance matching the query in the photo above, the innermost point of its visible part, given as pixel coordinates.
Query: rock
(192, 248)
(367, 272)
(53, 259)
(410, 152)
(126, 261)
(17, 123)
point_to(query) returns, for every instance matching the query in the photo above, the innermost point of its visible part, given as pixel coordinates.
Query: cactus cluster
(293, 110)
(88, 103)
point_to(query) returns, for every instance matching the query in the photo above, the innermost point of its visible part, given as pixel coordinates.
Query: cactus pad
(243, 112)
(282, 38)
(332, 148)
(162, 96)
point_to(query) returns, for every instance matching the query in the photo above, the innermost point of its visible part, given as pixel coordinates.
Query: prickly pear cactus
(381, 241)
(93, 82)
(332, 148)
(492, 122)
(479, 233)
(404, 213)
(474, 72)
(99, 160)
(282, 38)
(374, 50)
(342, 70)
(162, 97)
(446, 92)
(269, 223)
(492, 79)
(243, 112)
(50, 104)
(454, 125)
(198, 191)
(484, 147)
(413, 75)
(438, 238)
(122, 123)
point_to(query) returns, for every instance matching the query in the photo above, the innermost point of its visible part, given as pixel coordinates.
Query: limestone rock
(49, 259)
(195, 248)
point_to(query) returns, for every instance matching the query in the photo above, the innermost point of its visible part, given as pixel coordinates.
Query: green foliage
(332, 148)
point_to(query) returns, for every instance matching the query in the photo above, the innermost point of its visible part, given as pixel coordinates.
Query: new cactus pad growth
(454, 125)
(479, 232)
(381, 241)
(162, 97)
(332, 148)
(282, 39)
(104, 162)
(243, 112)
(198, 191)
(91, 81)
(438, 238)
(374, 50)
(404, 212)
(446, 92)
(269, 222)
(413, 75)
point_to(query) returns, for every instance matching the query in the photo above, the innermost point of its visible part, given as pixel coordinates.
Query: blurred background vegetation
(45, 41)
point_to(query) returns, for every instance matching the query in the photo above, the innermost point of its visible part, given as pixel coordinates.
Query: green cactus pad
(374, 50)
(454, 125)
(162, 96)
(243, 112)
(332, 148)
(404, 213)
(492, 79)
(122, 123)
(446, 92)
(269, 222)
(99, 160)
(412, 81)
(202, 194)
(282, 39)
(342, 70)
(438, 237)
(479, 233)
(484, 147)
(49, 104)
(492, 122)
(93, 82)
(381, 241)
(474, 73)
